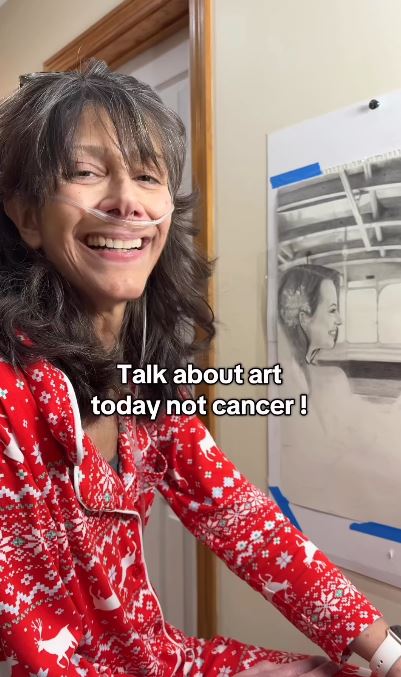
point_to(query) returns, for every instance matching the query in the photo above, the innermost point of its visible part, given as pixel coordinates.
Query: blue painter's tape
(378, 530)
(284, 505)
(295, 175)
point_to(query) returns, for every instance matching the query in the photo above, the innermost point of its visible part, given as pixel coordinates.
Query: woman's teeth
(109, 243)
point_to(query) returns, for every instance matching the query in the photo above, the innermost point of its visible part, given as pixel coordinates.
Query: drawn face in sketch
(322, 327)
(308, 310)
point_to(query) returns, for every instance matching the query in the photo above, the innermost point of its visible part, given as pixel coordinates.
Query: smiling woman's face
(105, 277)
(322, 328)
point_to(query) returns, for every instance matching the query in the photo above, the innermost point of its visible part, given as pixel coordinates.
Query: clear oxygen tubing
(134, 225)
(144, 336)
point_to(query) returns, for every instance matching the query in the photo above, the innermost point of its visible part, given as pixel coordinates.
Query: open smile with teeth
(100, 242)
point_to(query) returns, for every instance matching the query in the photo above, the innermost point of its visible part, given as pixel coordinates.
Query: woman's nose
(125, 198)
(338, 319)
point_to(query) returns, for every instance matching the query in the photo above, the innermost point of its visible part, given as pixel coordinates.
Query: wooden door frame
(128, 30)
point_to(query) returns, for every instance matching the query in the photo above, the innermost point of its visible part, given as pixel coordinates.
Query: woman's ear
(303, 320)
(25, 219)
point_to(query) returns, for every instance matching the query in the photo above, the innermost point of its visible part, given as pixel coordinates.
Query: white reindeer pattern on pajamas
(310, 552)
(127, 561)
(270, 588)
(105, 603)
(57, 645)
(13, 451)
(206, 445)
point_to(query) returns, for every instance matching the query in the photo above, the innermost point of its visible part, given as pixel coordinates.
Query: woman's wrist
(369, 641)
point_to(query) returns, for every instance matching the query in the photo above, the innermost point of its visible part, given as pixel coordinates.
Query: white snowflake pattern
(347, 588)
(3, 393)
(4, 547)
(45, 397)
(26, 579)
(284, 560)
(106, 483)
(289, 657)
(225, 671)
(78, 524)
(269, 525)
(326, 605)
(35, 541)
(233, 516)
(256, 497)
(37, 375)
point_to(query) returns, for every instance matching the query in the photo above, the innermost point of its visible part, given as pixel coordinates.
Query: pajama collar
(98, 487)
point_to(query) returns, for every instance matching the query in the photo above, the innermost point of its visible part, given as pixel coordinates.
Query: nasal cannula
(135, 224)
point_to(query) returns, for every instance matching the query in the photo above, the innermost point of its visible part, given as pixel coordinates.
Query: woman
(82, 157)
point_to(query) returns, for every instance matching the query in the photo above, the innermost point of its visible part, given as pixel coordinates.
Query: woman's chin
(101, 301)
(329, 345)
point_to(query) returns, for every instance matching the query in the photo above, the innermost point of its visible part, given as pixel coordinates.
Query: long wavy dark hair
(299, 291)
(37, 127)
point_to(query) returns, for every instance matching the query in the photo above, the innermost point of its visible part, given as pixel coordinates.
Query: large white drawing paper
(334, 324)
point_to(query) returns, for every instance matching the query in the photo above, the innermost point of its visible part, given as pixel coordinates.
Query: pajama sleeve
(41, 631)
(248, 531)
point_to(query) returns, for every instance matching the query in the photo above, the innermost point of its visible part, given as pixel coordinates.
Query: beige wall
(31, 31)
(278, 62)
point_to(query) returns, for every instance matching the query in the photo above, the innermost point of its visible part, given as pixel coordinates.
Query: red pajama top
(75, 597)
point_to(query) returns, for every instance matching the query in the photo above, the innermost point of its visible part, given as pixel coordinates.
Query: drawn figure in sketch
(343, 433)
(308, 303)
(309, 313)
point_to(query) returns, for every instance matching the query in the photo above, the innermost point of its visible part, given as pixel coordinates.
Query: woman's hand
(315, 666)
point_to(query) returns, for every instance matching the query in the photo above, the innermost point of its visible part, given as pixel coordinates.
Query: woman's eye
(84, 172)
(88, 172)
(147, 178)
